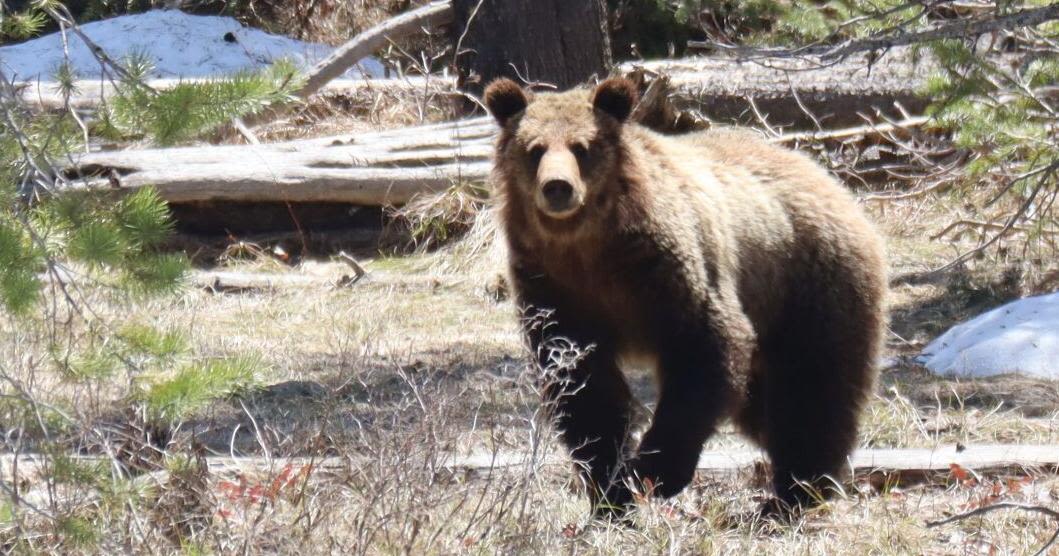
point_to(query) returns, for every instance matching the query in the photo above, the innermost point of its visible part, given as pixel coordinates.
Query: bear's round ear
(504, 98)
(615, 96)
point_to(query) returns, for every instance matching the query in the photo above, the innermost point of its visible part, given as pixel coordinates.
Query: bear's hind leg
(820, 371)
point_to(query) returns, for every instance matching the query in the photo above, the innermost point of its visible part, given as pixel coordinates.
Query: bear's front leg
(585, 390)
(592, 409)
(699, 375)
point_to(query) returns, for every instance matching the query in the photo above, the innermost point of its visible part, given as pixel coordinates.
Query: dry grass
(328, 21)
(417, 363)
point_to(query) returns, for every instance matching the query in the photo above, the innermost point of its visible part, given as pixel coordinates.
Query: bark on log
(384, 168)
(560, 42)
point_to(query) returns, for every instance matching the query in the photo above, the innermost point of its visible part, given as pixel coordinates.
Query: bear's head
(558, 155)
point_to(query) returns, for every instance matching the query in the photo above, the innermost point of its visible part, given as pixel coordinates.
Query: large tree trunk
(558, 42)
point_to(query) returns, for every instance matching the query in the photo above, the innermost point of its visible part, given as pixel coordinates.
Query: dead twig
(61, 14)
(918, 192)
(243, 130)
(990, 226)
(1005, 506)
(358, 271)
(1044, 174)
(845, 133)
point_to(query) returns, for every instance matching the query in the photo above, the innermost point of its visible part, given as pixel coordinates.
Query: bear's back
(784, 207)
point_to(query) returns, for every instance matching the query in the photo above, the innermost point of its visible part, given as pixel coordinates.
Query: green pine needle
(91, 366)
(157, 273)
(68, 470)
(19, 264)
(144, 216)
(146, 340)
(194, 386)
(23, 25)
(98, 244)
(77, 531)
(190, 110)
(19, 290)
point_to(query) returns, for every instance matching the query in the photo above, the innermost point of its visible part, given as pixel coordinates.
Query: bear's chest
(601, 288)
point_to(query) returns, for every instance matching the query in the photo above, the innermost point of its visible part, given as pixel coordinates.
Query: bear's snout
(560, 192)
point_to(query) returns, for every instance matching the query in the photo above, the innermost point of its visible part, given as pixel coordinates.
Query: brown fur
(742, 269)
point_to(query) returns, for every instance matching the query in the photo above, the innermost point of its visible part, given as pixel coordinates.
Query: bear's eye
(580, 151)
(536, 154)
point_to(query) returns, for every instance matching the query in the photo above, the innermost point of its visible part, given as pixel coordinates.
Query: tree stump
(556, 42)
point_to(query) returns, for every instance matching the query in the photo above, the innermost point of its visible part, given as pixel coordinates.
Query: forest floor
(419, 362)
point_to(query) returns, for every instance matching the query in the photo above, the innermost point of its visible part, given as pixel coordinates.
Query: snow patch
(1021, 337)
(179, 44)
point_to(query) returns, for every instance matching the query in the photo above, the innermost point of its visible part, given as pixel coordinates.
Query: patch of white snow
(1021, 337)
(179, 44)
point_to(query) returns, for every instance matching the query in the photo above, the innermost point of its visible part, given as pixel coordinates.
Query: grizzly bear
(743, 271)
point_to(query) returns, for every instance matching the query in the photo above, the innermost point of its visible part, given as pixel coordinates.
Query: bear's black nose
(558, 193)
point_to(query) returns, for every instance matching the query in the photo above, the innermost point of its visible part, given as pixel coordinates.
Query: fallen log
(783, 90)
(377, 169)
(846, 133)
(982, 459)
(891, 465)
(234, 282)
(718, 87)
(384, 168)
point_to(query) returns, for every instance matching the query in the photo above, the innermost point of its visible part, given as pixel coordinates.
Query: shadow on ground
(933, 305)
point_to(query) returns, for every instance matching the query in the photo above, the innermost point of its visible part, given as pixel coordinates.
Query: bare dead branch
(361, 46)
(1005, 506)
(61, 14)
(987, 225)
(959, 28)
(358, 270)
(1045, 173)
(345, 56)
(918, 192)
(869, 129)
